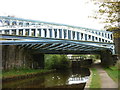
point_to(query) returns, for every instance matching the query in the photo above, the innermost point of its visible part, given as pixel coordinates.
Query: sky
(71, 12)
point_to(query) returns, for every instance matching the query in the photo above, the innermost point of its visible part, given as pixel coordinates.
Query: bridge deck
(50, 37)
(40, 44)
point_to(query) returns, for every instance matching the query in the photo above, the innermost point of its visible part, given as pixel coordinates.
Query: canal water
(75, 78)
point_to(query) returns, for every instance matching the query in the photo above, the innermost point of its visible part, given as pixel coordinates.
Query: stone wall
(16, 57)
(106, 58)
(117, 46)
(116, 35)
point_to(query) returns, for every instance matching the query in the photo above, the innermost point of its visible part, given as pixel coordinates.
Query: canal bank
(22, 74)
(74, 78)
(87, 85)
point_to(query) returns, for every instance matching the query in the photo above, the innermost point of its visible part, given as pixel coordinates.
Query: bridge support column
(86, 37)
(66, 34)
(30, 34)
(106, 58)
(16, 57)
(53, 33)
(48, 33)
(75, 35)
(71, 35)
(83, 37)
(116, 34)
(110, 36)
(90, 38)
(36, 32)
(10, 32)
(24, 32)
(3, 31)
(62, 33)
(17, 31)
(42, 33)
(58, 33)
(79, 36)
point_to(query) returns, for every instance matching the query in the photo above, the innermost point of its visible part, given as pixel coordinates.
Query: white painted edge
(87, 85)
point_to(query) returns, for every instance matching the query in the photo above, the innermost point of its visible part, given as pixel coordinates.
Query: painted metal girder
(55, 45)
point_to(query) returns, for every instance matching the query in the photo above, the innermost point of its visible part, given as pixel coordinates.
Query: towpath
(106, 81)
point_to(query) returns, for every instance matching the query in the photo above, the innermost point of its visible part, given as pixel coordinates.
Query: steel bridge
(46, 37)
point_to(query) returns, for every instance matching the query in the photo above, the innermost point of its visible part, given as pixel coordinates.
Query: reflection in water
(77, 79)
(74, 76)
(79, 75)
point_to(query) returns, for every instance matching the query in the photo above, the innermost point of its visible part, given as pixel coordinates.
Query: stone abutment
(15, 57)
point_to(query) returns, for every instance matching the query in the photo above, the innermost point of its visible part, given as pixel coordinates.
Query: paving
(106, 81)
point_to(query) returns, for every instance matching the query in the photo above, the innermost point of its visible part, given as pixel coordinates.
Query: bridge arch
(14, 23)
(7, 23)
(21, 23)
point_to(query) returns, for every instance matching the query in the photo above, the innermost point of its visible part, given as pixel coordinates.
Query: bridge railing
(20, 27)
(58, 33)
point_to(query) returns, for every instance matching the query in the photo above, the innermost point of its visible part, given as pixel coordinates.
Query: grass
(95, 82)
(0, 74)
(113, 72)
(15, 73)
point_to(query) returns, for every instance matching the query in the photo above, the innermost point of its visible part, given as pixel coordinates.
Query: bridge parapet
(25, 27)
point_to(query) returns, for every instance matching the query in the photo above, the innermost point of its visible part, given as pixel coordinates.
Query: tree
(58, 62)
(109, 13)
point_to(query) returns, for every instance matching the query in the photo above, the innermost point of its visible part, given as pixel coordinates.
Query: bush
(64, 62)
(58, 62)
